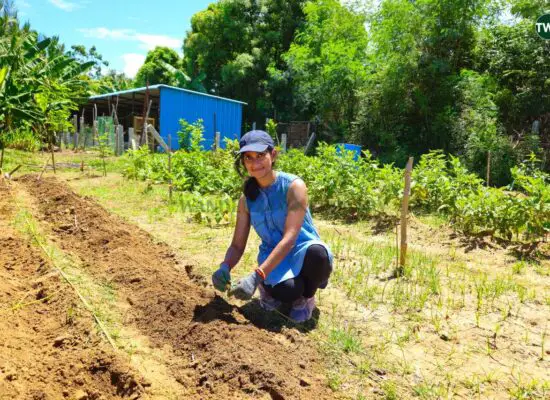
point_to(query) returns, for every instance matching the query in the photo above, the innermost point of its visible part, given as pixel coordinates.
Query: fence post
(80, 134)
(309, 143)
(75, 125)
(283, 142)
(119, 139)
(216, 141)
(132, 141)
(94, 132)
(404, 214)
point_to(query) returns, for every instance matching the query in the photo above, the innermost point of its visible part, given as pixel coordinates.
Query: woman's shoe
(302, 309)
(267, 302)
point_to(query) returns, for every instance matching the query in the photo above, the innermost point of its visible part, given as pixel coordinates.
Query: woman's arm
(240, 235)
(297, 205)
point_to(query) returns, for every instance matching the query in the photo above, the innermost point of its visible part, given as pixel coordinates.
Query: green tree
(328, 64)
(235, 43)
(112, 81)
(81, 54)
(55, 108)
(19, 52)
(478, 130)
(417, 52)
(518, 59)
(37, 79)
(154, 69)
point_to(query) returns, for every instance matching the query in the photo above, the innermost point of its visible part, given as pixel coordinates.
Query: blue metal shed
(169, 105)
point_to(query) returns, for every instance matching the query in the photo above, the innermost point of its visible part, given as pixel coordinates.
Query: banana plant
(184, 81)
(19, 51)
(39, 81)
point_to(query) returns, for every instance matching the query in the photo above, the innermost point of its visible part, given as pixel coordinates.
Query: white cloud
(105, 33)
(65, 5)
(132, 63)
(147, 42)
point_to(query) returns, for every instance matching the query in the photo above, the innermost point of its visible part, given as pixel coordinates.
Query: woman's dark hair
(251, 188)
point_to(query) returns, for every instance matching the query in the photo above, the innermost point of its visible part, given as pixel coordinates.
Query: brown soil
(218, 349)
(49, 348)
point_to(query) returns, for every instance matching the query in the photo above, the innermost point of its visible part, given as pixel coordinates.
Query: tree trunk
(53, 158)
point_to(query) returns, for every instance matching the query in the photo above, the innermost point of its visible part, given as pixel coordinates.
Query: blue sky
(122, 30)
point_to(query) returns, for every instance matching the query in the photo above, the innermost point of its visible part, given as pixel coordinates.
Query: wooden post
(43, 169)
(119, 139)
(309, 143)
(75, 122)
(488, 167)
(144, 126)
(404, 215)
(132, 142)
(81, 132)
(217, 141)
(283, 142)
(170, 167)
(253, 126)
(156, 136)
(215, 126)
(116, 140)
(53, 157)
(94, 133)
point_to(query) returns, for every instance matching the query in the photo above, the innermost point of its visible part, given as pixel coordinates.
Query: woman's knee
(317, 256)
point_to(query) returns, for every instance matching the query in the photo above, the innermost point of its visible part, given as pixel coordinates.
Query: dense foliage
(341, 187)
(40, 82)
(399, 77)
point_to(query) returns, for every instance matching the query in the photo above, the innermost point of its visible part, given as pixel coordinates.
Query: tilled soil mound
(49, 348)
(217, 352)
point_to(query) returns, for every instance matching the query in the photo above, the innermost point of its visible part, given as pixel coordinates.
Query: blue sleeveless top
(268, 216)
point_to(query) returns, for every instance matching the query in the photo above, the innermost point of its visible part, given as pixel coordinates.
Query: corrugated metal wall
(176, 104)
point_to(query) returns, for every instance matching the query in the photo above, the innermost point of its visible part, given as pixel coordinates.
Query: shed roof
(155, 90)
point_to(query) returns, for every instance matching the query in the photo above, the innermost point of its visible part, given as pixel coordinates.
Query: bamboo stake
(404, 215)
(43, 170)
(53, 158)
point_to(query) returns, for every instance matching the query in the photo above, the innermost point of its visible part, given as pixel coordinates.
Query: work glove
(245, 288)
(222, 278)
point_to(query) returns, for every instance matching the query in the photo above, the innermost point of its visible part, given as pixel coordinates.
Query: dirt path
(215, 351)
(49, 348)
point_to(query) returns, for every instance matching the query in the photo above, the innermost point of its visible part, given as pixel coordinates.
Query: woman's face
(259, 164)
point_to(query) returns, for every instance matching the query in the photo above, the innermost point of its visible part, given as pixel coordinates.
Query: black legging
(315, 272)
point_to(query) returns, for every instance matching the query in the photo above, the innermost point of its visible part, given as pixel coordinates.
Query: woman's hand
(246, 286)
(221, 279)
